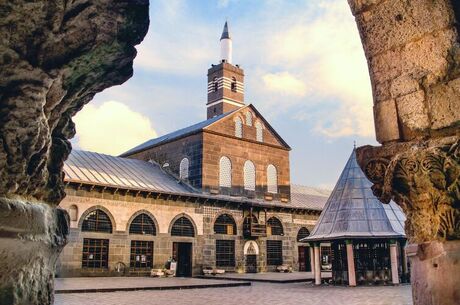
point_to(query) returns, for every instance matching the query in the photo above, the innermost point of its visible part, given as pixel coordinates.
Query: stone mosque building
(216, 194)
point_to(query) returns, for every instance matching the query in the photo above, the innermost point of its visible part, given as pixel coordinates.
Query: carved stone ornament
(424, 179)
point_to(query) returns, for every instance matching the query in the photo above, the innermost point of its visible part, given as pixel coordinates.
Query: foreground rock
(54, 57)
(413, 53)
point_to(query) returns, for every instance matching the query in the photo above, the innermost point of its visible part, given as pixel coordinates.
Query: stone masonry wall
(122, 209)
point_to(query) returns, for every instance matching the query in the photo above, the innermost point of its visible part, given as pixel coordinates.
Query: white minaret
(226, 45)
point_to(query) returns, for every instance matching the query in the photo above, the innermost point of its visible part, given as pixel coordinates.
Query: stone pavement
(110, 284)
(270, 277)
(257, 294)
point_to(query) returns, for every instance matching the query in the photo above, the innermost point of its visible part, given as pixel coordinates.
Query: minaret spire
(226, 45)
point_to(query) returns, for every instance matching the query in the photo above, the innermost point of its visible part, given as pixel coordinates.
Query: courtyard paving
(258, 293)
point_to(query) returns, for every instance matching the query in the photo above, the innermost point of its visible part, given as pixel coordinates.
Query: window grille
(142, 224)
(272, 179)
(259, 132)
(249, 118)
(183, 168)
(95, 253)
(238, 128)
(276, 228)
(97, 221)
(141, 254)
(303, 232)
(225, 225)
(225, 253)
(183, 227)
(249, 173)
(225, 172)
(233, 85)
(274, 252)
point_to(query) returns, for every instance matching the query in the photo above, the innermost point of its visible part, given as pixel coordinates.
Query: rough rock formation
(55, 55)
(413, 52)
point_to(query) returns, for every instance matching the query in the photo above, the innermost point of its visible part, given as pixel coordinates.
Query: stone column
(394, 262)
(404, 263)
(351, 264)
(317, 264)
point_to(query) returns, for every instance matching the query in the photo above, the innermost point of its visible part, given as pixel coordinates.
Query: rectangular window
(141, 254)
(225, 253)
(274, 252)
(95, 253)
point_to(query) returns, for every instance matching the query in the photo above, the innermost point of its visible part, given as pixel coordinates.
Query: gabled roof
(308, 197)
(352, 210)
(104, 170)
(174, 135)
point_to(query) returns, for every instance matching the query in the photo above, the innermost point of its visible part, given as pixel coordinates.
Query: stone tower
(225, 81)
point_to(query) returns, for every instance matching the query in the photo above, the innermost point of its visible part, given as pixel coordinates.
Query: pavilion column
(404, 262)
(317, 264)
(351, 264)
(394, 262)
(312, 259)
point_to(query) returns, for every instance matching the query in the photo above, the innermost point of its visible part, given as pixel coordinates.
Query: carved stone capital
(424, 179)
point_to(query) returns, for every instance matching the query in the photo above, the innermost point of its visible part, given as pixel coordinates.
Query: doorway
(304, 259)
(182, 254)
(251, 263)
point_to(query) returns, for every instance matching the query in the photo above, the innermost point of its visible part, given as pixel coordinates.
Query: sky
(305, 71)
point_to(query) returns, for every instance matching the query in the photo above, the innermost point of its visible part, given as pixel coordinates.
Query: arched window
(225, 172)
(142, 224)
(303, 232)
(233, 86)
(225, 225)
(249, 173)
(97, 221)
(73, 212)
(272, 179)
(183, 168)
(215, 83)
(183, 227)
(238, 128)
(274, 226)
(249, 118)
(259, 132)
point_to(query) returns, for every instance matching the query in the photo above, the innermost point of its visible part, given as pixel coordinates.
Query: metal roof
(174, 135)
(225, 32)
(352, 210)
(100, 169)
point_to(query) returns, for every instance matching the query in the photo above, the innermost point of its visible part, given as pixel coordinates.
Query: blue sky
(305, 71)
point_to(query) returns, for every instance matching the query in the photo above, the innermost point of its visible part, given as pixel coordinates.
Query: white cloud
(284, 83)
(111, 128)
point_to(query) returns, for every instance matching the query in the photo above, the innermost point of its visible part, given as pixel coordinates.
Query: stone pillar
(351, 264)
(317, 264)
(394, 262)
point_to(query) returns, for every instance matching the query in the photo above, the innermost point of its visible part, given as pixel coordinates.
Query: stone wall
(122, 209)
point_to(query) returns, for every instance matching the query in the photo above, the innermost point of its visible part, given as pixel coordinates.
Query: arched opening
(238, 128)
(274, 227)
(249, 174)
(225, 224)
(183, 227)
(97, 221)
(249, 118)
(233, 85)
(215, 84)
(184, 168)
(259, 132)
(303, 232)
(225, 172)
(142, 224)
(272, 179)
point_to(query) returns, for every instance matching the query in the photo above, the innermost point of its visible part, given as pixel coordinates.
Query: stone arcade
(215, 194)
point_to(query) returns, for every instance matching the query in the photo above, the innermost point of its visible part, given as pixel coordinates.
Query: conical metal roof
(352, 210)
(225, 33)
